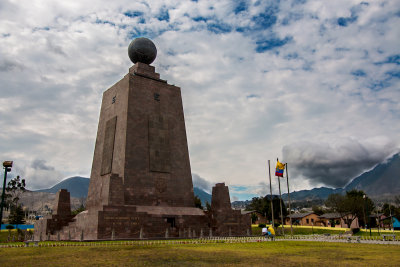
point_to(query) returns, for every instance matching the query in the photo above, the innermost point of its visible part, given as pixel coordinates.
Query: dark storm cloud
(334, 164)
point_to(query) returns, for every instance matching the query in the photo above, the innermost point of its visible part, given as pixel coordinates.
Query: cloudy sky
(315, 83)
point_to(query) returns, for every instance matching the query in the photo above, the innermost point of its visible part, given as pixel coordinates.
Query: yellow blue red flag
(280, 167)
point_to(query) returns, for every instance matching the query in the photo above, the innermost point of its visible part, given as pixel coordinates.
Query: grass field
(308, 230)
(376, 232)
(282, 253)
(256, 231)
(303, 230)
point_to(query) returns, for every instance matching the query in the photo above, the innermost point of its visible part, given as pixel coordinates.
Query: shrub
(20, 234)
(262, 225)
(10, 227)
(29, 234)
(355, 230)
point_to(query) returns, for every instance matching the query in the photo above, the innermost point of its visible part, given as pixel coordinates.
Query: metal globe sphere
(142, 50)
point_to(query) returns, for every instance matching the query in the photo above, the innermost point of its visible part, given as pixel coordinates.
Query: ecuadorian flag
(280, 167)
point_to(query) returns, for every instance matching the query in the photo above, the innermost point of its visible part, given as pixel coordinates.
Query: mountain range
(79, 186)
(203, 195)
(382, 180)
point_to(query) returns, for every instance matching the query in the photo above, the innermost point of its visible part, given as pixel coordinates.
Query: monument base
(147, 222)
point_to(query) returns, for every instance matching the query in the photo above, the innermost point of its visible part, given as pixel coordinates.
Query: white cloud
(311, 79)
(201, 183)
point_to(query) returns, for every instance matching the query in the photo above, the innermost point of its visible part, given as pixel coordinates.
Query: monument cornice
(147, 76)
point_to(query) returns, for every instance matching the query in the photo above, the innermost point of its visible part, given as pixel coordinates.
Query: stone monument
(141, 183)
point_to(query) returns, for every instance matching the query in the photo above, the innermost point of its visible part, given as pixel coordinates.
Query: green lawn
(308, 230)
(11, 235)
(301, 230)
(375, 232)
(297, 230)
(282, 253)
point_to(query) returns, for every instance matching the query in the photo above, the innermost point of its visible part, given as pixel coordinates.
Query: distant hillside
(240, 204)
(42, 201)
(315, 193)
(203, 195)
(384, 179)
(381, 181)
(77, 186)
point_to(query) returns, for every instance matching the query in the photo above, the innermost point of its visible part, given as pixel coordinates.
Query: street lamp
(369, 217)
(7, 168)
(312, 227)
(365, 218)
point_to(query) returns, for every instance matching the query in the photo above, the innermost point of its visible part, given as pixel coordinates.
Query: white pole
(270, 190)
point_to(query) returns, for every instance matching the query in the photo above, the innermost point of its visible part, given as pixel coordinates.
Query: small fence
(137, 242)
(210, 240)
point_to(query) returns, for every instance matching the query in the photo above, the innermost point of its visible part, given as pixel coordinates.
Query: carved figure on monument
(140, 182)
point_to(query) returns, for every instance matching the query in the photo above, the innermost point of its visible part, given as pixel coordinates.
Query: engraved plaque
(159, 143)
(108, 146)
(161, 185)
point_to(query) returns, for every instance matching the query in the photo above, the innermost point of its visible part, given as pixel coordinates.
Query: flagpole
(288, 193)
(270, 190)
(280, 202)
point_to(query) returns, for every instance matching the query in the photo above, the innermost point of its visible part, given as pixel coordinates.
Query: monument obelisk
(141, 183)
(141, 138)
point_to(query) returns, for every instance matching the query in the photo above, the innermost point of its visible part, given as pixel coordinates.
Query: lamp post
(378, 221)
(391, 218)
(312, 227)
(369, 217)
(7, 168)
(365, 218)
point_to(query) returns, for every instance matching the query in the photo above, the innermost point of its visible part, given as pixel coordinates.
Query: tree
(318, 210)
(263, 206)
(78, 210)
(197, 202)
(14, 189)
(254, 218)
(397, 201)
(257, 204)
(17, 216)
(335, 202)
(358, 203)
(388, 209)
(351, 206)
(208, 206)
